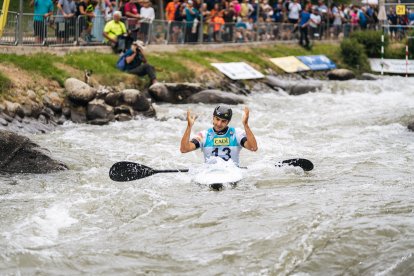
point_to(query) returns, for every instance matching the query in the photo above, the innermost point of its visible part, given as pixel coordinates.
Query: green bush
(395, 51)
(353, 54)
(371, 40)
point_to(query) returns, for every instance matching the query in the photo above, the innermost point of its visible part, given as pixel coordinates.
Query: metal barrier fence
(60, 31)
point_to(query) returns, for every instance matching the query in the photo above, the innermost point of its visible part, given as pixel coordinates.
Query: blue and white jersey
(226, 146)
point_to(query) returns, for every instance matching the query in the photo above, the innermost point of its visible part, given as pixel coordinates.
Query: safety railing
(84, 30)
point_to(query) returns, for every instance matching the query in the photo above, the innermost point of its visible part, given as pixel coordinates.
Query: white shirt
(294, 10)
(315, 20)
(147, 14)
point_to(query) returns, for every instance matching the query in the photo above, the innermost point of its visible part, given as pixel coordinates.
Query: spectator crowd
(191, 21)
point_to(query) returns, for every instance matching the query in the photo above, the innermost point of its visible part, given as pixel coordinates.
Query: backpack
(121, 63)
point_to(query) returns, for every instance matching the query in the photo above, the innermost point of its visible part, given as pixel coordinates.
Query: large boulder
(13, 108)
(79, 92)
(303, 88)
(20, 155)
(53, 101)
(293, 87)
(98, 109)
(341, 74)
(136, 99)
(215, 96)
(114, 98)
(173, 92)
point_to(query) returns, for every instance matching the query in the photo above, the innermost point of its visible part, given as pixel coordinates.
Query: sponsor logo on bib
(221, 141)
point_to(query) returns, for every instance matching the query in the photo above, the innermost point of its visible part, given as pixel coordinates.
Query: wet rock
(368, 76)
(136, 99)
(3, 121)
(12, 108)
(293, 87)
(27, 108)
(99, 122)
(276, 82)
(7, 117)
(173, 92)
(66, 111)
(42, 118)
(18, 118)
(79, 92)
(98, 110)
(160, 92)
(123, 109)
(20, 155)
(300, 89)
(36, 109)
(411, 126)
(78, 114)
(47, 112)
(215, 96)
(123, 117)
(53, 101)
(341, 74)
(114, 99)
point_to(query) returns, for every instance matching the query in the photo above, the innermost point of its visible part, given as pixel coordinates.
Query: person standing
(221, 140)
(315, 23)
(43, 9)
(65, 20)
(294, 12)
(147, 16)
(303, 27)
(131, 11)
(191, 15)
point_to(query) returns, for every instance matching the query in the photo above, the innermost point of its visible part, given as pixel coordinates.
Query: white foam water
(351, 215)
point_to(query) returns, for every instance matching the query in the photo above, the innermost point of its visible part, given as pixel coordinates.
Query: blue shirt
(304, 18)
(41, 7)
(135, 62)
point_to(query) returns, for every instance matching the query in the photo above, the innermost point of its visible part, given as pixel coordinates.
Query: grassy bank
(179, 66)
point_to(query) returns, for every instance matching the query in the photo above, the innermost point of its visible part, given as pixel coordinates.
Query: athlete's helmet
(223, 112)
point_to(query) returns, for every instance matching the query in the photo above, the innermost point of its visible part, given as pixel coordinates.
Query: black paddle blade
(305, 164)
(128, 171)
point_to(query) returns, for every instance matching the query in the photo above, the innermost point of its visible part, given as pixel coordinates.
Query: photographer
(136, 63)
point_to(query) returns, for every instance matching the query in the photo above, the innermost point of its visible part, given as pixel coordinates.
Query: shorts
(40, 29)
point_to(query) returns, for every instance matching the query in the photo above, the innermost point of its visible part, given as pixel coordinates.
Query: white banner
(397, 66)
(238, 70)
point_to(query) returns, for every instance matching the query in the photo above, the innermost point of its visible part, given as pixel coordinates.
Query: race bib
(221, 141)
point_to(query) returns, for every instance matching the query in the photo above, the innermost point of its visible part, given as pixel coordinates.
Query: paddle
(127, 171)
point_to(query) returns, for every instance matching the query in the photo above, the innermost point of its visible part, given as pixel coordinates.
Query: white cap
(140, 44)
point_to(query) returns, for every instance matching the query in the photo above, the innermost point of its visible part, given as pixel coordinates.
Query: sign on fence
(238, 70)
(319, 62)
(396, 66)
(290, 64)
(400, 9)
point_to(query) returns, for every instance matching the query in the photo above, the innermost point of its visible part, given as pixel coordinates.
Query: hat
(140, 44)
(190, 2)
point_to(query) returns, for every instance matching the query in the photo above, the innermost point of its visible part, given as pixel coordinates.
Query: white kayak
(218, 175)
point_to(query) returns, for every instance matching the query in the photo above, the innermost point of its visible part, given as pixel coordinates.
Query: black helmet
(223, 112)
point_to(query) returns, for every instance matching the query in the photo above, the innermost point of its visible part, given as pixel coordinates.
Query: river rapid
(351, 215)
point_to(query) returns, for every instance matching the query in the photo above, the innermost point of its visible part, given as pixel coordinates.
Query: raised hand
(190, 118)
(245, 118)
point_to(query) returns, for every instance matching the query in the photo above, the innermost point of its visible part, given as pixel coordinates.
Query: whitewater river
(352, 215)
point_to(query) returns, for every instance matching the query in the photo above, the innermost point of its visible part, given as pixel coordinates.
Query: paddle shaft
(170, 171)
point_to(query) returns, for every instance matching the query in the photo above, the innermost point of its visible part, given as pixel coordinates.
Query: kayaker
(221, 140)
